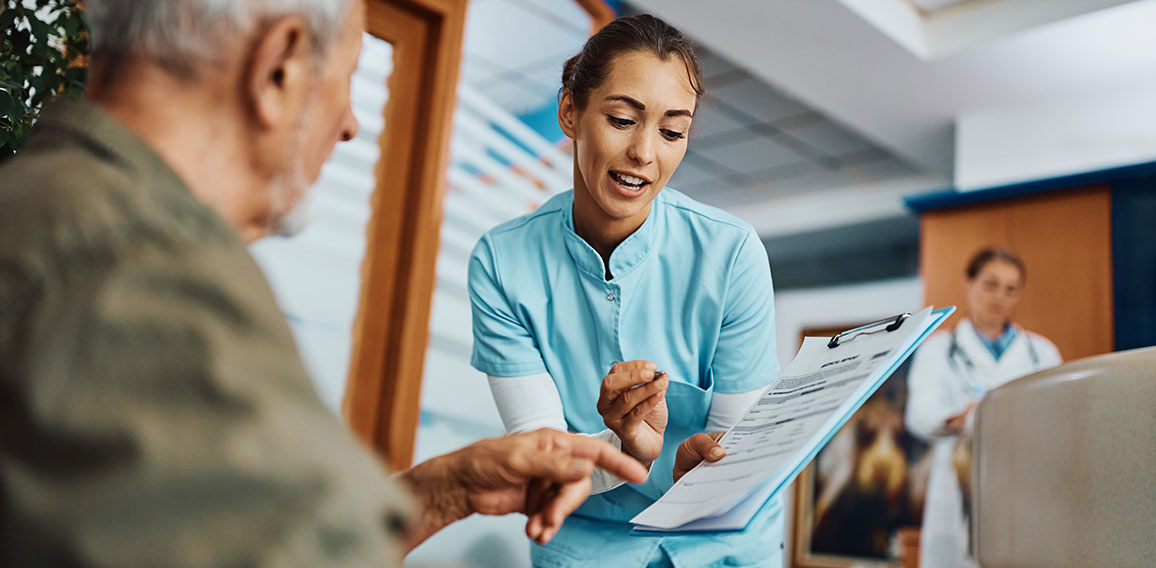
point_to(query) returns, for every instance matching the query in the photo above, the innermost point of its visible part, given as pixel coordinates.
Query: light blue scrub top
(691, 291)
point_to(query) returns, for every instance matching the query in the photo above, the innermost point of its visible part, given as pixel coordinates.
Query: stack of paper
(784, 429)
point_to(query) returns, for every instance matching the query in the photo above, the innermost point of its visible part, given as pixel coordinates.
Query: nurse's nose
(641, 149)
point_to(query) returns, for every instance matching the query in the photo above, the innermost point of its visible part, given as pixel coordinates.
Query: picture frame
(859, 503)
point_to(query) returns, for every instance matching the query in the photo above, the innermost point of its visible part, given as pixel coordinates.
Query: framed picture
(860, 502)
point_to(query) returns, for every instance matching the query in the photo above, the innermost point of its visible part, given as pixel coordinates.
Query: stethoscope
(954, 351)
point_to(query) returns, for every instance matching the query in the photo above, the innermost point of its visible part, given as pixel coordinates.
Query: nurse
(948, 376)
(625, 310)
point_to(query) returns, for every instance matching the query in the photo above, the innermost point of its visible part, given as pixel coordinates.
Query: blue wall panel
(1134, 261)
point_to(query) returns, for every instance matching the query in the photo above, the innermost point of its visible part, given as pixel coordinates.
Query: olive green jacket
(154, 410)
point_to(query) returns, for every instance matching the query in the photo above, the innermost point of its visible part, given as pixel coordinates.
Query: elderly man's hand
(695, 449)
(543, 474)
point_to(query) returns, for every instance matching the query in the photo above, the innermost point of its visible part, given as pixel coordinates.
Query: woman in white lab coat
(948, 376)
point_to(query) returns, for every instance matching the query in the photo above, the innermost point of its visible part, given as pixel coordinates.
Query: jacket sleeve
(158, 414)
(503, 347)
(929, 404)
(1049, 353)
(747, 358)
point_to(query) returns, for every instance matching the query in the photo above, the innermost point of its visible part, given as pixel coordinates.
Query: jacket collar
(111, 138)
(967, 338)
(629, 254)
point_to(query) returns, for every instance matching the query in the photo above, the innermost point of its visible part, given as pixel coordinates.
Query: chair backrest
(1064, 467)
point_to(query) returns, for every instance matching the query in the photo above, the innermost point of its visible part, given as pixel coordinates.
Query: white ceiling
(827, 57)
(750, 142)
(816, 114)
(933, 5)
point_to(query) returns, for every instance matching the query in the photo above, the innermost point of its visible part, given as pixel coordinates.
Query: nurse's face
(993, 294)
(630, 137)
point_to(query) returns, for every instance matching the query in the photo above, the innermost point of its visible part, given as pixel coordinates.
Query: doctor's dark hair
(587, 70)
(987, 255)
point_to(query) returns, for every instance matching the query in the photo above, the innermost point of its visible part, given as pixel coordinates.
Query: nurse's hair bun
(568, 70)
(588, 69)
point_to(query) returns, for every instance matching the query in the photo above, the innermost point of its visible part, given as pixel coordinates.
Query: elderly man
(153, 408)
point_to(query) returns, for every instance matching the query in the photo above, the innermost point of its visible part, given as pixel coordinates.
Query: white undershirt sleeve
(532, 402)
(528, 403)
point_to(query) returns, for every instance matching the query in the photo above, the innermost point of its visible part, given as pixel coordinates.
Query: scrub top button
(610, 296)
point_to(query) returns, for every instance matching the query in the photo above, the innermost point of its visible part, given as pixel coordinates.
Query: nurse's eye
(672, 135)
(619, 122)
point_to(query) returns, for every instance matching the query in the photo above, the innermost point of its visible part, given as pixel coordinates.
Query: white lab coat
(941, 383)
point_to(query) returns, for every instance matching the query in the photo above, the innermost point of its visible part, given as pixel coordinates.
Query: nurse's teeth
(628, 180)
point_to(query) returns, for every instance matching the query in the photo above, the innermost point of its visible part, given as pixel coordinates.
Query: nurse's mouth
(627, 184)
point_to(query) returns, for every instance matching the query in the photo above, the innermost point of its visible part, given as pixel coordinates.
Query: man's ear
(278, 73)
(567, 113)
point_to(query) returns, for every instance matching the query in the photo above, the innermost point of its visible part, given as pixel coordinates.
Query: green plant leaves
(41, 44)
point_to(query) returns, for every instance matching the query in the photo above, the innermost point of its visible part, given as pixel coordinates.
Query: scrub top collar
(629, 253)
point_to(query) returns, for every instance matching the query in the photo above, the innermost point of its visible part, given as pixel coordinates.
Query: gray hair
(184, 35)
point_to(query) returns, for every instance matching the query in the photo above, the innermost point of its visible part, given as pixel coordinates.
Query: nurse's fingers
(623, 380)
(627, 401)
(643, 409)
(629, 366)
(615, 384)
(696, 449)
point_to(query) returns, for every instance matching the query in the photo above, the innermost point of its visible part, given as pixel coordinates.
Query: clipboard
(887, 324)
(736, 490)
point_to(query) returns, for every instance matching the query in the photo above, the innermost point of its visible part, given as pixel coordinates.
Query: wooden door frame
(382, 401)
(391, 331)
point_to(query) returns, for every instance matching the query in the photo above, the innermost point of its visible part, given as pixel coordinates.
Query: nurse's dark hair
(587, 70)
(991, 254)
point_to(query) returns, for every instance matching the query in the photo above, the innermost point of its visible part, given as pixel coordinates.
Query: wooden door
(1064, 239)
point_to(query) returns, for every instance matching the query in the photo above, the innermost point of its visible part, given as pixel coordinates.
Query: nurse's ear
(567, 114)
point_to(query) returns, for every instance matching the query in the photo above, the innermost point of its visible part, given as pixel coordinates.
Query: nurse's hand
(633, 405)
(695, 449)
(543, 474)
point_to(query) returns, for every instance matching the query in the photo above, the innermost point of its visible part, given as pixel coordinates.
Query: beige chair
(1064, 466)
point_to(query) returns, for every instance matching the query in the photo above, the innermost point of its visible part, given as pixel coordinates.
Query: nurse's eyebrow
(638, 105)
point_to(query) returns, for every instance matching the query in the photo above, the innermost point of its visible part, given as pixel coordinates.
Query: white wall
(796, 310)
(836, 207)
(1004, 146)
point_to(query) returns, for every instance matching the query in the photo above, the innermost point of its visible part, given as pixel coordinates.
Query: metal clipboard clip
(892, 323)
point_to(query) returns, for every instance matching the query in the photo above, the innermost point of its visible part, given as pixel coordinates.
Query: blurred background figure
(949, 374)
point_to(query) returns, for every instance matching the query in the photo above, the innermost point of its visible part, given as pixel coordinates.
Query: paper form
(784, 428)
